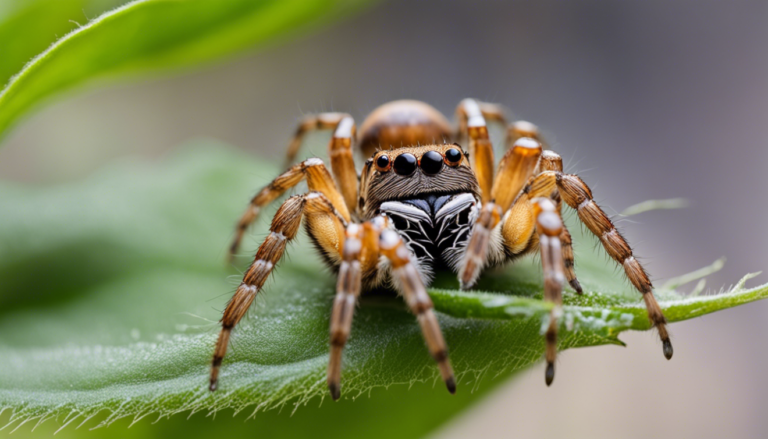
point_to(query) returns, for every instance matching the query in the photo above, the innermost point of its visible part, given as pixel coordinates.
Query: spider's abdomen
(402, 123)
(435, 227)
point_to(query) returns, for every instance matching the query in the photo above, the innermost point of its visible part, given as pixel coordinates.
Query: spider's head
(409, 172)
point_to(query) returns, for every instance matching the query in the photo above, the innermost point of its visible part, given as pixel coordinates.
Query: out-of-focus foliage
(112, 287)
(140, 36)
(27, 27)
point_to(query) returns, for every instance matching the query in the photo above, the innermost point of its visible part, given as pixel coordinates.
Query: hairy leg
(472, 127)
(318, 179)
(577, 194)
(409, 283)
(309, 123)
(515, 169)
(285, 226)
(548, 228)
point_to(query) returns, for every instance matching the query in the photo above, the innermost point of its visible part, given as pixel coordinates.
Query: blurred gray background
(647, 100)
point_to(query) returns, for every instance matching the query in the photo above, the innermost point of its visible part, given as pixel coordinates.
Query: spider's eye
(431, 162)
(452, 157)
(382, 163)
(405, 164)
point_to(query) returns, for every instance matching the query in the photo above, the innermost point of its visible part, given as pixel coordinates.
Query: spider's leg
(551, 161)
(318, 179)
(577, 194)
(347, 291)
(472, 127)
(342, 163)
(409, 283)
(548, 228)
(515, 169)
(360, 256)
(320, 212)
(521, 128)
(309, 123)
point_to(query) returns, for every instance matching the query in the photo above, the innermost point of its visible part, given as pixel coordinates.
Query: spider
(422, 203)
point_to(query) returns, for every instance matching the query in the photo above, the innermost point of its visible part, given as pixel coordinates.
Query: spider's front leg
(515, 168)
(323, 220)
(363, 246)
(318, 179)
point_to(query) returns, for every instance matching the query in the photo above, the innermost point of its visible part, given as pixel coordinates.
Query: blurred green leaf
(112, 287)
(143, 35)
(27, 27)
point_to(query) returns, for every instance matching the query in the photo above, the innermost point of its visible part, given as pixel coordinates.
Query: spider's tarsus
(335, 391)
(450, 383)
(213, 386)
(667, 349)
(576, 286)
(549, 375)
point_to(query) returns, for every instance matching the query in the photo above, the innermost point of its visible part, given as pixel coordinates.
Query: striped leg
(318, 179)
(551, 161)
(409, 283)
(347, 292)
(342, 163)
(473, 128)
(515, 169)
(311, 122)
(519, 129)
(548, 228)
(285, 225)
(578, 195)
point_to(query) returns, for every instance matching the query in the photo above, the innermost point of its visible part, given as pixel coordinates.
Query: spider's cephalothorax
(422, 203)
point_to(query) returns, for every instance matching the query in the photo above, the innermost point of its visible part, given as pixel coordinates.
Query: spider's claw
(549, 375)
(667, 349)
(576, 286)
(450, 383)
(213, 386)
(335, 391)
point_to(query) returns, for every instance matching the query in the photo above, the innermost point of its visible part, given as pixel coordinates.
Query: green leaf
(112, 287)
(27, 27)
(140, 36)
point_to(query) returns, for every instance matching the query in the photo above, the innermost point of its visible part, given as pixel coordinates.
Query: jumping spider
(418, 206)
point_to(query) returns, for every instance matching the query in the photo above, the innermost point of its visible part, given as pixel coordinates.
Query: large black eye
(382, 163)
(405, 164)
(431, 162)
(453, 157)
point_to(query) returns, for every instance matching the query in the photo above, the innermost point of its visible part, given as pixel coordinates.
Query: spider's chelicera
(420, 204)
